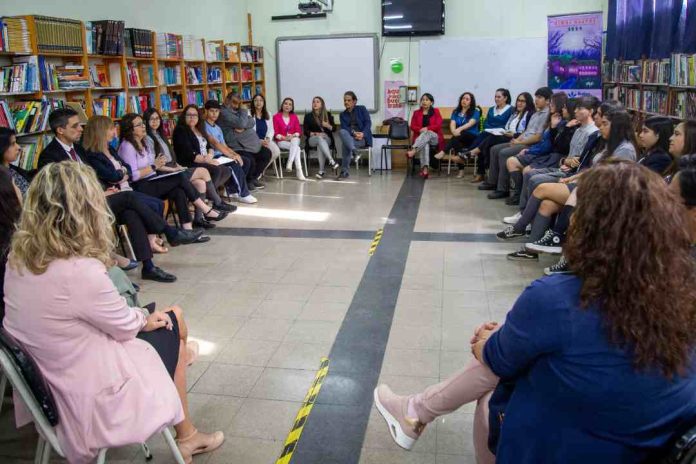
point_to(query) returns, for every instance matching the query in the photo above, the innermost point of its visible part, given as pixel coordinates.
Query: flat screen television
(413, 17)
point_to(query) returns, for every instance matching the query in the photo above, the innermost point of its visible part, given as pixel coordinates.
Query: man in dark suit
(355, 132)
(65, 124)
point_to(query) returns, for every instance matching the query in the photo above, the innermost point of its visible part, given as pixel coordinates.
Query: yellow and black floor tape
(375, 241)
(301, 418)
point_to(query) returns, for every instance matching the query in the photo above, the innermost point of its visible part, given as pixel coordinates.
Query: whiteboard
(450, 67)
(327, 66)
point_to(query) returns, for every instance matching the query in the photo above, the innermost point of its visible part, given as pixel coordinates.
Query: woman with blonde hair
(110, 388)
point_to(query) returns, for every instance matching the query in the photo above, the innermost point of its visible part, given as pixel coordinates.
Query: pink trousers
(475, 382)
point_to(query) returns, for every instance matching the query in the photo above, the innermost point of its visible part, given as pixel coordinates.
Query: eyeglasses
(191, 116)
(154, 118)
(140, 124)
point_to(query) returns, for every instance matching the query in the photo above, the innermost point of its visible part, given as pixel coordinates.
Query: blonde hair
(65, 215)
(96, 130)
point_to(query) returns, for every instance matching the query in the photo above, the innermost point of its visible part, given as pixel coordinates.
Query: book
(169, 45)
(99, 75)
(133, 75)
(20, 77)
(194, 75)
(214, 52)
(170, 75)
(231, 54)
(192, 48)
(113, 106)
(107, 37)
(58, 35)
(195, 97)
(14, 35)
(214, 75)
(138, 43)
(233, 74)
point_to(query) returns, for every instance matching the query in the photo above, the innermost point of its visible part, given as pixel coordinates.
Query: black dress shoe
(513, 200)
(258, 184)
(221, 215)
(202, 239)
(225, 207)
(184, 237)
(203, 223)
(486, 186)
(158, 275)
(498, 195)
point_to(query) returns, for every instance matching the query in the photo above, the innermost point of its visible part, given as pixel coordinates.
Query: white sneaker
(512, 219)
(249, 199)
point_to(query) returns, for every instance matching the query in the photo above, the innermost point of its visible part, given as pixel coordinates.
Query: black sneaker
(486, 186)
(549, 243)
(513, 200)
(523, 255)
(225, 207)
(259, 185)
(561, 267)
(203, 224)
(250, 186)
(509, 233)
(158, 275)
(319, 175)
(497, 195)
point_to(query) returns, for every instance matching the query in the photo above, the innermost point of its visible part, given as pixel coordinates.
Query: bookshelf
(653, 87)
(102, 67)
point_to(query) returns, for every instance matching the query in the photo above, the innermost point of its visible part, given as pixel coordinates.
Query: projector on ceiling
(310, 7)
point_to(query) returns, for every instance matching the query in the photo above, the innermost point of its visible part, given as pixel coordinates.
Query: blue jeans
(349, 146)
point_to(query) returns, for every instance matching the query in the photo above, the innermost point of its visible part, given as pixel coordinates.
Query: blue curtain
(649, 28)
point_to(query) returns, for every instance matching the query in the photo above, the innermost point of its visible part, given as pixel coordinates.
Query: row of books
(14, 35)
(27, 116)
(138, 43)
(252, 54)
(58, 35)
(247, 75)
(233, 74)
(139, 103)
(683, 70)
(113, 106)
(195, 97)
(21, 76)
(214, 75)
(194, 75)
(29, 153)
(215, 94)
(246, 92)
(214, 52)
(684, 105)
(192, 48)
(171, 102)
(104, 37)
(99, 75)
(655, 101)
(169, 45)
(258, 74)
(170, 75)
(69, 76)
(231, 53)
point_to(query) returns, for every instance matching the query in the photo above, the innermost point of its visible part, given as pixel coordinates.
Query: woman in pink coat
(287, 130)
(110, 388)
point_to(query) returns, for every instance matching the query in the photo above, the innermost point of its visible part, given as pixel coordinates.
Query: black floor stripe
(346, 234)
(336, 428)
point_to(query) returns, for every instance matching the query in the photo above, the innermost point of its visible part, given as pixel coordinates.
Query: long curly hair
(629, 243)
(65, 215)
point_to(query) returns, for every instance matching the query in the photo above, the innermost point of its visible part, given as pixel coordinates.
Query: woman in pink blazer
(287, 130)
(110, 388)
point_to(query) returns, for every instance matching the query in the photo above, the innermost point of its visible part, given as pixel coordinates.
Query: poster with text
(392, 107)
(575, 54)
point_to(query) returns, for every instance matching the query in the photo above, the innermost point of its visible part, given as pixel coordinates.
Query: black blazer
(657, 160)
(186, 146)
(54, 153)
(107, 174)
(309, 124)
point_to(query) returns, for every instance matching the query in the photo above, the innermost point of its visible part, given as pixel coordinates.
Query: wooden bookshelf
(645, 88)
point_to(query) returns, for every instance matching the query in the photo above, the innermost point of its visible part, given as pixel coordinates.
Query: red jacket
(281, 129)
(435, 125)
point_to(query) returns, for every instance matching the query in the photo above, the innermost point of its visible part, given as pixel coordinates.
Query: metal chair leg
(172, 446)
(449, 162)
(46, 454)
(38, 457)
(306, 166)
(146, 451)
(3, 387)
(101, 458)
(369, 161)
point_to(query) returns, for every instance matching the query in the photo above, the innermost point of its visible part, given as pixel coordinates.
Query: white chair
(278, 167)
(359, 152)
(10, 351)
(303, 158)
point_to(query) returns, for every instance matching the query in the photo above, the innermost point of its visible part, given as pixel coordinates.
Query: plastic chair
(398, 130)
(27, 380)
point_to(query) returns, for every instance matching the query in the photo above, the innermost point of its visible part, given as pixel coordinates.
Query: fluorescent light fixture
(389, 17)
(295, 215)
(402, 26)
(386, 3)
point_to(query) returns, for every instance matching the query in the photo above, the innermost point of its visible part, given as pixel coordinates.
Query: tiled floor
(266, 309)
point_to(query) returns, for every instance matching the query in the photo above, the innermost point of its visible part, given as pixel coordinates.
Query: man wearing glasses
(65, 124)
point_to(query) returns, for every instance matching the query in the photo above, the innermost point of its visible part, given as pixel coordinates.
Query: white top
(498, 112)
(203, 143)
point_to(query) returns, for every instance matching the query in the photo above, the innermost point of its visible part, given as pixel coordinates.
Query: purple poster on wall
(575, 54)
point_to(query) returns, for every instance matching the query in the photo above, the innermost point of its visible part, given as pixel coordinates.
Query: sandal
(198, 443)
(220, 215)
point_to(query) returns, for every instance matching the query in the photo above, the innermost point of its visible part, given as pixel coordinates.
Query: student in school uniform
(263, 125)
(318, 127)
(286, 127)
(426, 130)
(216, 140)
(498, 175)
(355, 132)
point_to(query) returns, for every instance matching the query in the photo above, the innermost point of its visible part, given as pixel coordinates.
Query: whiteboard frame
(375, 53)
